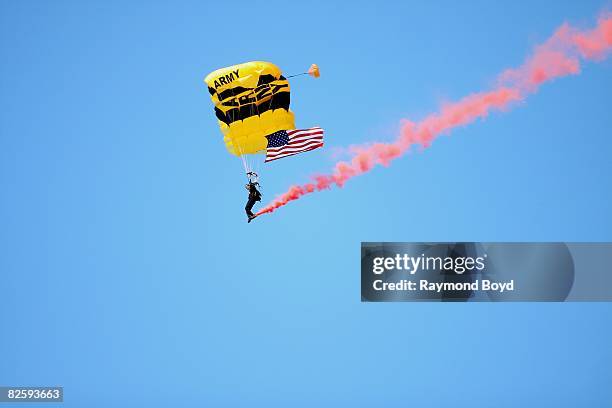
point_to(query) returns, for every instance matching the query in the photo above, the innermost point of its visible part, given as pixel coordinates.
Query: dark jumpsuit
(254, 196)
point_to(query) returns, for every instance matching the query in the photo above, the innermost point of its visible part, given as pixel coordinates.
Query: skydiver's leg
(249, 206)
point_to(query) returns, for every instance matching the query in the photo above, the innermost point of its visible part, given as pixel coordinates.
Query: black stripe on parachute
(280, 100)
(270, 94)
(239, 90)
(267, 79)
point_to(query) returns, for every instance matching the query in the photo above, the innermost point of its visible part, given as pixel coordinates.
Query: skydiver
(254, 196)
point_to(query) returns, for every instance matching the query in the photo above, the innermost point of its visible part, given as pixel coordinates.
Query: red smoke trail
(557, 57)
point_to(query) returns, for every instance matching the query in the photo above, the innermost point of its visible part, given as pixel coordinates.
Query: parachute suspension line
(296, 75)
(247, 160)
(255, 156)
(243, 157)
(255, 163)
(312, 71)
(245, 163)
(248, 163)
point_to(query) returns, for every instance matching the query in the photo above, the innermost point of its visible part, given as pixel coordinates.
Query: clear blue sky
(128, 272)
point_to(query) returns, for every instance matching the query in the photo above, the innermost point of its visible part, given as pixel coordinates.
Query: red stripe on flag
(295, 149)
(298, 144)
(280, 156)
(300, 140)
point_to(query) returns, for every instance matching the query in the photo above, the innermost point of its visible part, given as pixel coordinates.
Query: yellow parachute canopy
(251, 101)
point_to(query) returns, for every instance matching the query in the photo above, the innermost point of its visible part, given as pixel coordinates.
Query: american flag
(289, 142)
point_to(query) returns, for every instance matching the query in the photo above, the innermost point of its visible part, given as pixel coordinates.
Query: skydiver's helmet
(253, 178)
